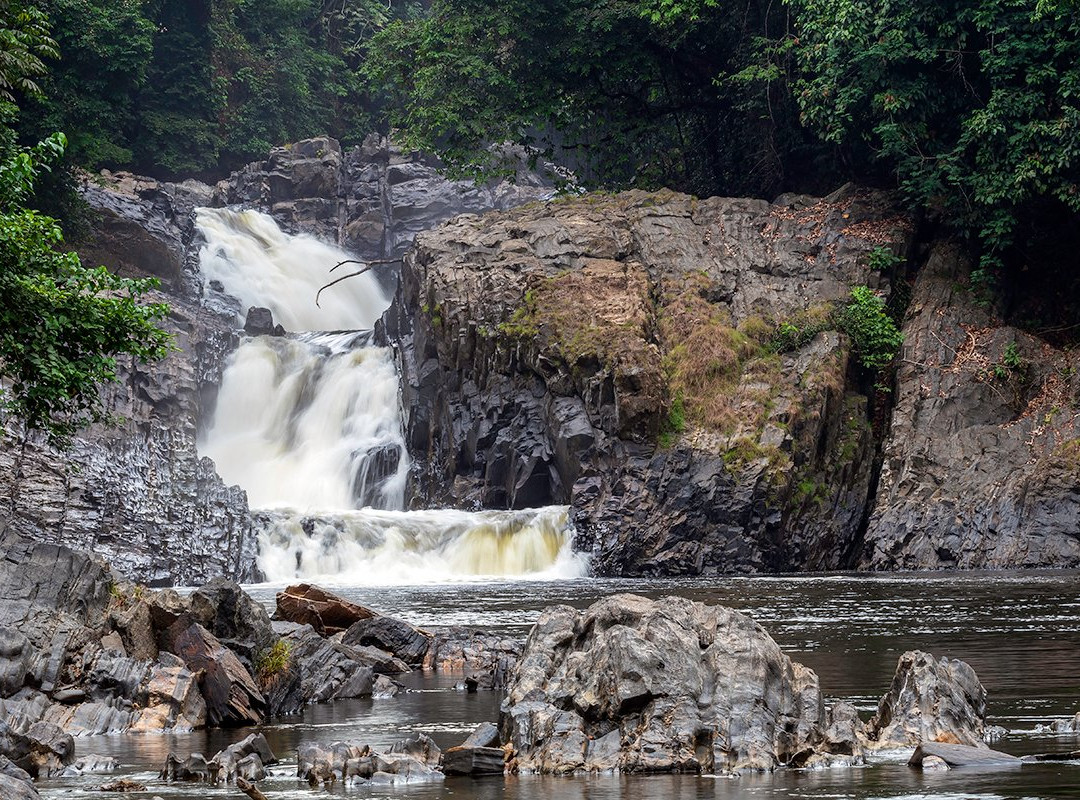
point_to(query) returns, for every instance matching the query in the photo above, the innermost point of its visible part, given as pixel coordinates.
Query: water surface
(1020, 631)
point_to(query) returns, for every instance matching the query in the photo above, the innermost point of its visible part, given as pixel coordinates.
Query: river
(1020, 631)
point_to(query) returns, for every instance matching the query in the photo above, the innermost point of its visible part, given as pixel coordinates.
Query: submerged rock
(928, 755)
(342, 762)
(669, 685)
(395, 636)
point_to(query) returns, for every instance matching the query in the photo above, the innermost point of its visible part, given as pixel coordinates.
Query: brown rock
(326, 612)
(231, 694)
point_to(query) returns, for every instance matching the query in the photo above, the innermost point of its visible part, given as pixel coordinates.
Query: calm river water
(1020, 631)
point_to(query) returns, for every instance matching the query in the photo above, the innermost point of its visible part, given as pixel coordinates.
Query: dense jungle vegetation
(969, 108)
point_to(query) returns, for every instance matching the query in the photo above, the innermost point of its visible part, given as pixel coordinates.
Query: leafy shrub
(873, 332)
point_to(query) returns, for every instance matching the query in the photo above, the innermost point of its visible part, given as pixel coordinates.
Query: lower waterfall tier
(372, 547)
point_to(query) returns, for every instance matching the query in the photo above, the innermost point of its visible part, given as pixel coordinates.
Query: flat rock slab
(464, 760)
(962, 755)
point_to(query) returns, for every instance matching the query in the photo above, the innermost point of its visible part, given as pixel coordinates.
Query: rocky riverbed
(627, 685)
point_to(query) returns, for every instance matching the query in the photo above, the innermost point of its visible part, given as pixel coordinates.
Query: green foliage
(873, 332)
(882, 259)
(24, 45)
(195, 86)
(674, 424)
(1012, 362)
(974, 103)
(273, 661)
(62, 326)
(679, 93)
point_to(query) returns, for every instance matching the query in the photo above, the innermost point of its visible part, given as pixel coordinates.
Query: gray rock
(12, 771)
(419, 746)
(466, 760)
(977, 472)
(14, 789)
(260, 322)
(395, 636)
(483, 658)
(232, 696)
(502, 414)
(332, 670)
(15, 653)
(959, 755)
(657, 686)
(930, 701)
(92, 765)
(485, 735)
(228, 612)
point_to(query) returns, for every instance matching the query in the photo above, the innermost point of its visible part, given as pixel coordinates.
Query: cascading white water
(396, 547)
(310, 423)
(310, 426)
(261, 265)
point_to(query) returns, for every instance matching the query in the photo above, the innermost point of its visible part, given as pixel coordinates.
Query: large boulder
(230, 614)
(324, 611)
(12, 788)
(930, 700)
(669, 685)
(43, 750)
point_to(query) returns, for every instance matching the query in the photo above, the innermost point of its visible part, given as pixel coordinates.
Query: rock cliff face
(617, 354)
(138, 494)
(982, 460)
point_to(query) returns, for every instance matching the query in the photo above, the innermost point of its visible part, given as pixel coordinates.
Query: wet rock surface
(930, 700)
(657, 686)
(669, 685)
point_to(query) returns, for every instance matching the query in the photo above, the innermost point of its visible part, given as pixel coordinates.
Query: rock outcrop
(353, 764)
(982, 459)
(669, 685)
(930, 701)
(657, 686)
(619, 354)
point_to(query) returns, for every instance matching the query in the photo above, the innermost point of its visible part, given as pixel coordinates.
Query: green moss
(674, 424)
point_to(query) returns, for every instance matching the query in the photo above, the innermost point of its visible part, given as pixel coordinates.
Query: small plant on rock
(273, 661)
(873, 332)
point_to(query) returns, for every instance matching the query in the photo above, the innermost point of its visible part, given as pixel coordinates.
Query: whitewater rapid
(310, 426)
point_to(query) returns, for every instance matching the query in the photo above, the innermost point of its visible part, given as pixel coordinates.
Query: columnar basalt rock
(555, 353)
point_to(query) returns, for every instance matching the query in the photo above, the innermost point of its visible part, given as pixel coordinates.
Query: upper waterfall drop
(261, 265)
(310, 425)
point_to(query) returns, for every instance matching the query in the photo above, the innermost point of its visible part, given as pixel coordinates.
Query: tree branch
(367, 265)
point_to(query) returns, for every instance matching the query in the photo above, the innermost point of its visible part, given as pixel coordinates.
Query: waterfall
(261, 265)
(310, 426)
